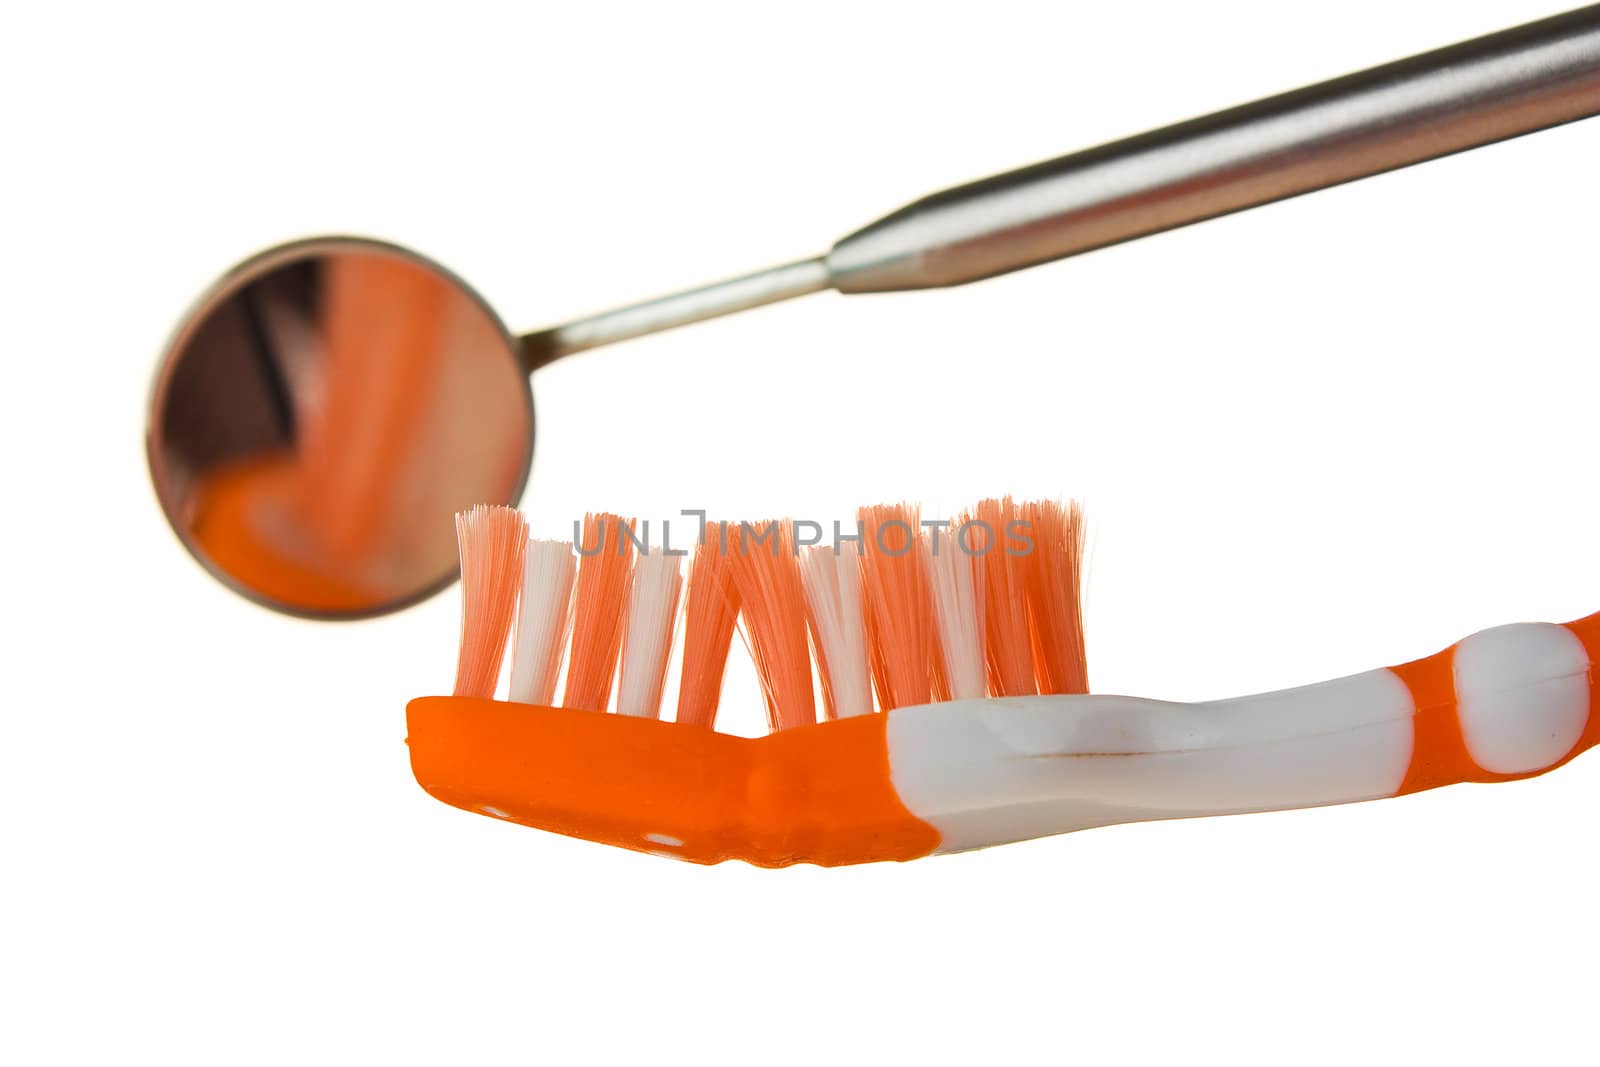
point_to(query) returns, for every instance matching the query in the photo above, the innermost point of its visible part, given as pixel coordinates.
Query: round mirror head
(323, 413)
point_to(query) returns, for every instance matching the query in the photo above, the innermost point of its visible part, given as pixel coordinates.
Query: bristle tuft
(1007, 642)
(544, 621)
(898, 607)
(1055, 605)
(711, 609)
(958, 608)
(600, 602)
(831, 577)
(766, 573)
(491, 541)
(652, 621)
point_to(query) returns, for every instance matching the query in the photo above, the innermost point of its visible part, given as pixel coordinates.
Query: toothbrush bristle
(652, 620)
(831, 578)
(544, 621)
(491, 541)
(898, 607)
(1002, 572)
(711, 609)
(986, 605)
(958, 608)
(1055, 603)
(600, 600)
(766, 573)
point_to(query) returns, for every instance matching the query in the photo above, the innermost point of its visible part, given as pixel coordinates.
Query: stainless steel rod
(678, 309)
(1517, 81)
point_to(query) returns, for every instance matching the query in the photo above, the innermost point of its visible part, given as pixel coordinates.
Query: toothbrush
(1023, 760)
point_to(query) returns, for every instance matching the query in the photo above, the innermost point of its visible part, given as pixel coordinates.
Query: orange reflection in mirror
(323, 422)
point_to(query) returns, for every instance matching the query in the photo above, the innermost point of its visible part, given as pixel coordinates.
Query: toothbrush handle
(1505, 703)
(1474, 93)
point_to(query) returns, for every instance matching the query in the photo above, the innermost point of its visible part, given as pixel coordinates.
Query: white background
(1323, 436)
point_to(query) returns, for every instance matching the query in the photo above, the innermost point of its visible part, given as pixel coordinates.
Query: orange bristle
(1055, 608)
(766, 574)
(491, 541)
(897, 602)
(1002, 572)
(711, 608)
(604, 573)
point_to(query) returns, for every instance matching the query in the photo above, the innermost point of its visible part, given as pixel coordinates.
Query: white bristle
(647, 641)
(959, 612)
(832, 582)
(544, 620)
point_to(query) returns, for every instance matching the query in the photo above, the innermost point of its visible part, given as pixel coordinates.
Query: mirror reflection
(324, 413)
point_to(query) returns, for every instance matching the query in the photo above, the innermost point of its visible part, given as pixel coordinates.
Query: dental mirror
(322, 414)
(330, 404)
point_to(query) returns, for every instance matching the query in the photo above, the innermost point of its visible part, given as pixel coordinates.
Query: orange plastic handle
(815, 794)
